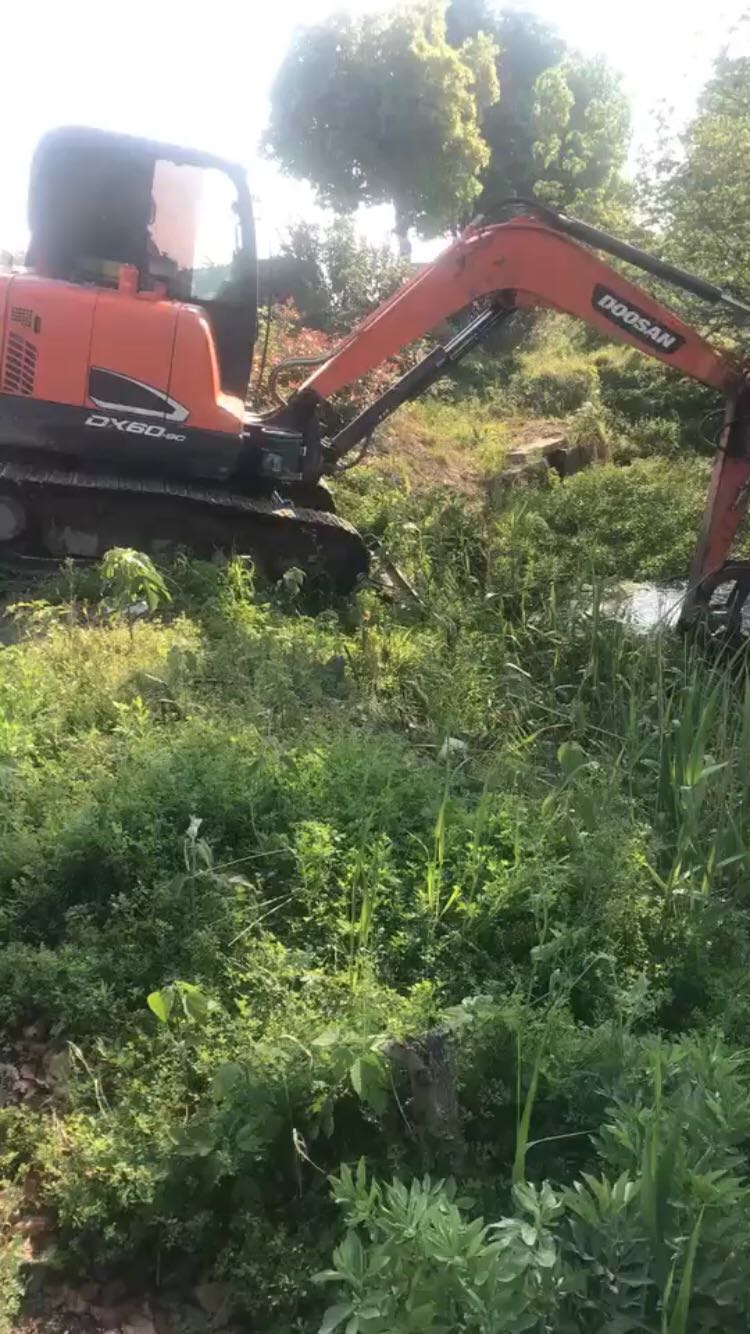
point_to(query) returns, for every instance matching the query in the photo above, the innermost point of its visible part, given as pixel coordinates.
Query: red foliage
(290, 338)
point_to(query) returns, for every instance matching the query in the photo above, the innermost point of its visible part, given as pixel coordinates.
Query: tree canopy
(560, 129)
(383, 109)
(445, 108)
(701, 199)
(340, 274)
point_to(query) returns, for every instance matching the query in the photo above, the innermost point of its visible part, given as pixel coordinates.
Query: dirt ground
(412, 458)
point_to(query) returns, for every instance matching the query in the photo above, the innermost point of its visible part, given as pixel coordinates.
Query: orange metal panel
(533, 265)
(195, 376)
(55, 319)
(727, 500)
(134, 337)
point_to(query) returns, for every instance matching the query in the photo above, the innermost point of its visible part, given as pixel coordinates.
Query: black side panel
(36, 431)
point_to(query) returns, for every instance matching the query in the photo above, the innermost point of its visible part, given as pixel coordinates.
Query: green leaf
(161, 1003)
(335, 1316)
(368, 1078)
(678, 1323)
(194, 1003)
(248, 1139)
(351, 1254)
(328, 1038)
(226, 1079)
(356, 1075)
(571, 757)
(524, 1123)
(546, 1255)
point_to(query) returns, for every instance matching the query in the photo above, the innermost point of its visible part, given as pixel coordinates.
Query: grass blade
(678, 1322)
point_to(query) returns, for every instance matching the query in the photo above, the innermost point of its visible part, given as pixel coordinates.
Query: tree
(701, 196)
(341, 276)
(382, 109)
(582, 122)
(560, 130)
(526, 47)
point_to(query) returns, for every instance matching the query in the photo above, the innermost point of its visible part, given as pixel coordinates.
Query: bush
(639, 391)
(639, 522)
(339, 277)
(391, 873)
(548, 385)
(11, 1258)
(642, 1244)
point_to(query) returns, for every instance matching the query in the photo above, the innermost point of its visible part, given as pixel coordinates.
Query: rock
(335, 668)
(164, 1322)
(35, 1225)
(73, 1303)
(139, 1323)
(114, 1292)
(31, 1185)
(8, 1083)
(430, 1061)
(33, 1031)
(57, 1067)
(109, 1318)
(453, 748)
(214, 1299)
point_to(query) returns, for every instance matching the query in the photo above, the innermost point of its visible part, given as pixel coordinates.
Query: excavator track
(55, 513)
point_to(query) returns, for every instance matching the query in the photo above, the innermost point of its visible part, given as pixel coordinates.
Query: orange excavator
(127, 345)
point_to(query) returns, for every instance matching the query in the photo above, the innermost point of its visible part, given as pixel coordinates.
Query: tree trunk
(401, 232)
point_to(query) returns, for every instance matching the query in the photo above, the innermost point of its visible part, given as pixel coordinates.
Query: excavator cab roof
(181, 217)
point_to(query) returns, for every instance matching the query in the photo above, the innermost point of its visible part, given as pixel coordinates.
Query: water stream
(645, 605)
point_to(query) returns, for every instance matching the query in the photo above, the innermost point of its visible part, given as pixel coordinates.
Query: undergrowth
(452, 880)
(609, 399)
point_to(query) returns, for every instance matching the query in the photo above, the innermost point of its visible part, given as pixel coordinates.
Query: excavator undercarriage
(56, 513)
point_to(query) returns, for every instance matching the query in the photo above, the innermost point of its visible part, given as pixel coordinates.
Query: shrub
(644, 1244)
(423, 1266)
(551, 385)
(474, 819)
(11, 1258)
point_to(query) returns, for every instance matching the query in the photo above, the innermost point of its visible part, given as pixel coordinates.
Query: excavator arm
(521, 263)
(529, 262)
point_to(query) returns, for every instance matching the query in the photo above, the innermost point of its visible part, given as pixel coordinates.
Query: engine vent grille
(20, 365)
(22, 315)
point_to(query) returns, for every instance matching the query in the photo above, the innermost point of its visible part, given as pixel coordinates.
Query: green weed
(242, 865)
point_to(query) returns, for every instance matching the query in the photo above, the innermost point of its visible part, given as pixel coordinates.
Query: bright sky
(200, 75)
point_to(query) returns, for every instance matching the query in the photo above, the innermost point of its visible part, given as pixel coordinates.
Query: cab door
(130, 360)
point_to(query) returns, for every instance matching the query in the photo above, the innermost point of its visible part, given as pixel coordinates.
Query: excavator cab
(179, 221)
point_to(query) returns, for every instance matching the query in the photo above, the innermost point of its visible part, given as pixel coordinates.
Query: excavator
(127, 343)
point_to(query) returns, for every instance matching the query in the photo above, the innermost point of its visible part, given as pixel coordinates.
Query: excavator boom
(523, 263)
(529, 262)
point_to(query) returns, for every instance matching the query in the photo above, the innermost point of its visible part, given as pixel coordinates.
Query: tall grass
(527, 905)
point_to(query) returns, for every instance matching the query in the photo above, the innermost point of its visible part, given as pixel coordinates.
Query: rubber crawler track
(141, 511)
